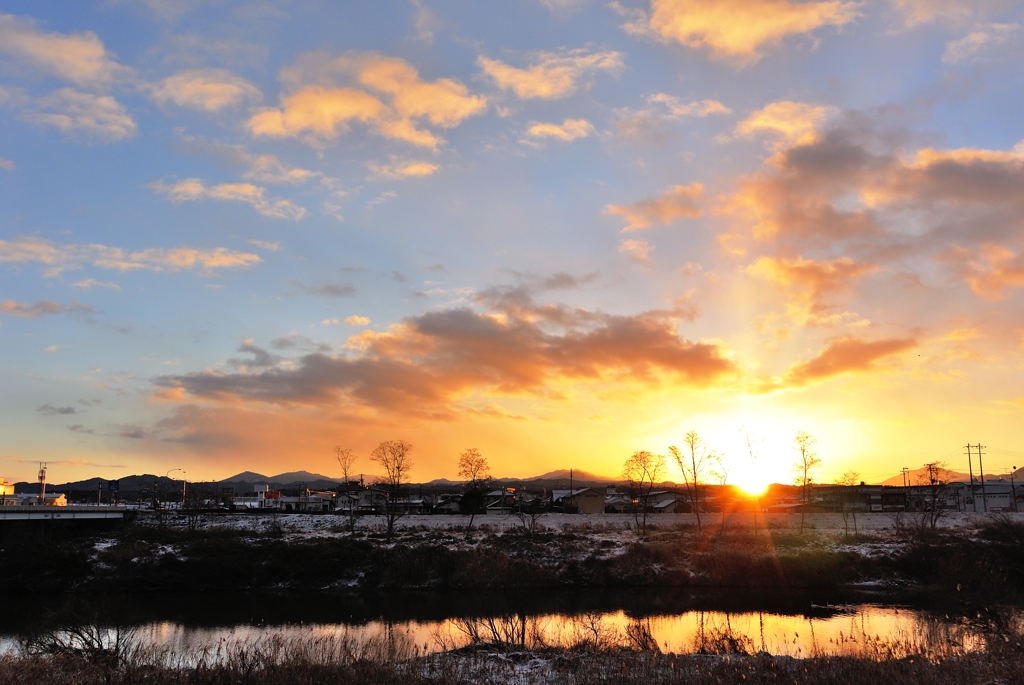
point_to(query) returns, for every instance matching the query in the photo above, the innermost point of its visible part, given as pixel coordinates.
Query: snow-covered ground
(329, 525)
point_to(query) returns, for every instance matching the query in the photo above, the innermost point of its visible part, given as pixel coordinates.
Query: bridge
(70, 513)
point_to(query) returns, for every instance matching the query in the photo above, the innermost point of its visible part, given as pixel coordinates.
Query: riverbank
(321, 662)
(974, 556)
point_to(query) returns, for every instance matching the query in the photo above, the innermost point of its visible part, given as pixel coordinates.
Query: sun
(753, 484)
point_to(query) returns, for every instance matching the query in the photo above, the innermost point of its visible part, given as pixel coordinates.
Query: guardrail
(69, 513)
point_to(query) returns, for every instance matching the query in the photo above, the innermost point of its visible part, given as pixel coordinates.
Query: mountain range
(246, 480)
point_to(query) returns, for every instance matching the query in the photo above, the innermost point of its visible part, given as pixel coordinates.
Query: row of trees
(643, 470)
(393, 456)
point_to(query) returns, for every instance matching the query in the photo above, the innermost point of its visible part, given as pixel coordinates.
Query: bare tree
(473, 468)
(847, 480)
(346, 460)
(193, 506)
(694, 466)
(935, 478)
(393, 457)
(807, 461)
(641, 472)
(754, 442)
(719, 472)
(530, 511)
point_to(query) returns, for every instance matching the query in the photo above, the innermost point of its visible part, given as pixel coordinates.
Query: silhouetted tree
(642, 471)
(847, 480)
(694, 465)
(346, 460)
(393, 457)
(473, 468)
(807, 461)
(754, 442)
(720, 473)
(193, 505)
(935, 478)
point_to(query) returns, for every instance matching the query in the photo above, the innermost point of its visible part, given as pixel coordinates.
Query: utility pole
(42, 483)
(970, 471)
(1013, 491)
(906, 497)
(981, 474)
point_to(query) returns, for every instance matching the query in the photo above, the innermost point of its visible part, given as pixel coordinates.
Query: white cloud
(93, 283)
(382, 198)
(193, 189)
(975, 44)
(59, 258)
(568, 130)
(264, 245)
(79, 58)
(697, 108)
(206, 90)
(76, 113)
(637, 250)
(6, 164)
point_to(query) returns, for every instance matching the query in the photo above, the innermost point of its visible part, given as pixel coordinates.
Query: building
(51, 499)
(996, 495)
(578, 501)
(861, 498)
(447, 504)
(6, 488)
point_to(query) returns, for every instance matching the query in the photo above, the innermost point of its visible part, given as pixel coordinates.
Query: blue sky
(235, 235)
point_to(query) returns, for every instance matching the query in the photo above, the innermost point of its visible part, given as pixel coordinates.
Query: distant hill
(917, 476)
(577, 474)
(288, 477)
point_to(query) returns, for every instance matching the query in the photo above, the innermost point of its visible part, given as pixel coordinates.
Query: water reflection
(865, 631)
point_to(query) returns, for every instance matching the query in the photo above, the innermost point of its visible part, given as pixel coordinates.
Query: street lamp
(168, 475)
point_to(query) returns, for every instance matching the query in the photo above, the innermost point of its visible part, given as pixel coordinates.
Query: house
(578, 501)
(371, 500)
(447, 504)
(618, 503)
(501, 496)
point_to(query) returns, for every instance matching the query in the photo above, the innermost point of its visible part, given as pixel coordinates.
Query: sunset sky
(234, 235)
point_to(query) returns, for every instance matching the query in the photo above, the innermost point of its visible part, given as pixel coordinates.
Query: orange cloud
(791, 123)
(399, 169)
(338, 97)
(842, 356)
(738, 29)
(993, 269)
(550, 75)
(815, 279)
(681, 202)
(430, 363)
